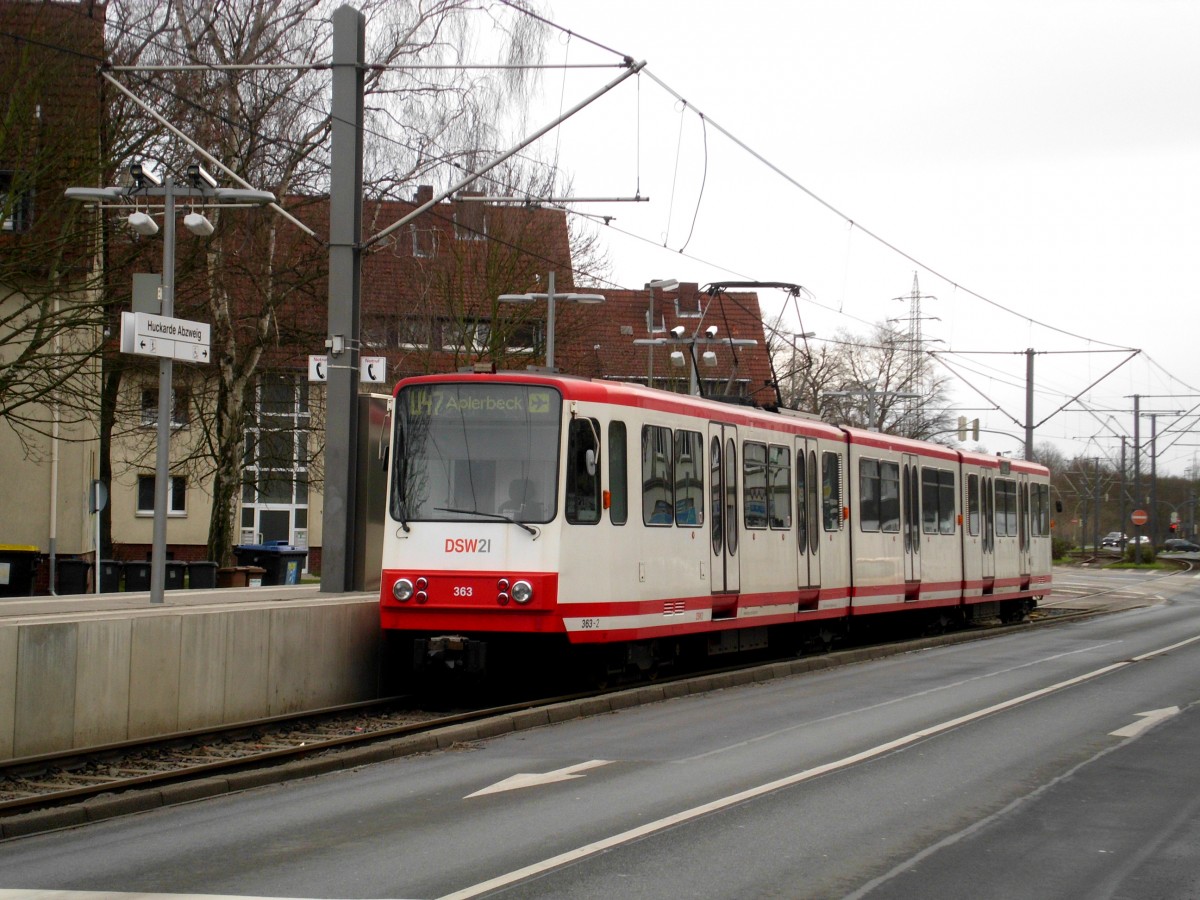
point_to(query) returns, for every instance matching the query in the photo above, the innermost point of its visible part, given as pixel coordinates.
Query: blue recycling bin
(280, 562)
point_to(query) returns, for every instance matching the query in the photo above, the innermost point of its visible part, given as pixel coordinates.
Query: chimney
(424, 194)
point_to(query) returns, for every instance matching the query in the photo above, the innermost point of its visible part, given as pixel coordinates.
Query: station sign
(145, 334)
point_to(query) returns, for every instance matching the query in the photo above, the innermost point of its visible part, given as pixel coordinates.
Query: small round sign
(1139, 517)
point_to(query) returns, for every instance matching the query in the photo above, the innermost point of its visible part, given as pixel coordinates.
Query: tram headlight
(522, 591)
(402, 589)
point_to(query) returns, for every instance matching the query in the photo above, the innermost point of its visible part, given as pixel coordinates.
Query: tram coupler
(453, 652)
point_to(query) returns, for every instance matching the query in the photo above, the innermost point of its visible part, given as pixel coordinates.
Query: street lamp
(551, 298)
(201, 186)
(679, 338)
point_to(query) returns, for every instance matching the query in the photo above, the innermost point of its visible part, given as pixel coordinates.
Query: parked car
(1114, 539)
(1179, 545)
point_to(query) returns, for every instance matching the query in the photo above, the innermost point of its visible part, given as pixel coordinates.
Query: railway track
(259, 752)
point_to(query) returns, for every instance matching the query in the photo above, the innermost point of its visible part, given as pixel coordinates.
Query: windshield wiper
(488, 515)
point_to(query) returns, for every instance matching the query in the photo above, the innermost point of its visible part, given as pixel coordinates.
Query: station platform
(67, 605)
(88, 670)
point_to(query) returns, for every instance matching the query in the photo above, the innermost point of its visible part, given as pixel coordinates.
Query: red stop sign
(1138, 517)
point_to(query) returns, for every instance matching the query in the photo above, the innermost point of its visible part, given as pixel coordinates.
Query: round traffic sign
(1138, 517)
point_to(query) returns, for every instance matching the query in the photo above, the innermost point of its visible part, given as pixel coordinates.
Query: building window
(276, 457)
(176, 496)
(424, 242)
(180, 408)
(16, 204)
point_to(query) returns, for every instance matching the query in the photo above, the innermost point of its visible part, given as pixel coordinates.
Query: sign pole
(162, 467)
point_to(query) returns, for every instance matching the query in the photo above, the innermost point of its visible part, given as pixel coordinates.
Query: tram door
(808, 513)
(989, 528)
(723, 507)
(910, 492)
(1023, 523)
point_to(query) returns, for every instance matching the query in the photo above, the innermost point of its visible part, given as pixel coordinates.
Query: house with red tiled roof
(430, 302)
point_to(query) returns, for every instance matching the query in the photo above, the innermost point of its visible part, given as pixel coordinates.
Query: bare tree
(270, 122)
(862, 382)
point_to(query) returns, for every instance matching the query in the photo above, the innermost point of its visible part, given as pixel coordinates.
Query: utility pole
(1137, 471)
(914, 376)
(345, 281)
(1029, 404)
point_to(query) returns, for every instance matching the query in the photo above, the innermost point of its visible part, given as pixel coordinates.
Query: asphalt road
(1051, 762)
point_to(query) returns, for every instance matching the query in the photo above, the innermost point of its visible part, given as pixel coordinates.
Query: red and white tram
(539, 513)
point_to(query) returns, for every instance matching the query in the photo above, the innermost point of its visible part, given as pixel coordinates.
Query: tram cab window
(689, 478)
(657, 482)
(583, 472)
(618, 474)
(831, 491)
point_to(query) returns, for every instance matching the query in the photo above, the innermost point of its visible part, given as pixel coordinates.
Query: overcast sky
(1045, 155)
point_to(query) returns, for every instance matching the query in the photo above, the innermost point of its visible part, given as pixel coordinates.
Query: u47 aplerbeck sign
(149, 335)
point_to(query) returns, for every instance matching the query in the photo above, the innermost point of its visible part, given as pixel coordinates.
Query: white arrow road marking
(1150, 717)
(534, 779)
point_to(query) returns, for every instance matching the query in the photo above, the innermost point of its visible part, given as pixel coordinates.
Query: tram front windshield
(473, 451)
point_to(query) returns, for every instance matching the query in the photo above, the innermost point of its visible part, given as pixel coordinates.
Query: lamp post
(679, 338)
(551, 298)
(201, 185)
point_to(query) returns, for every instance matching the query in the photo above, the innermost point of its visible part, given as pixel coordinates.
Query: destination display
(480, 401)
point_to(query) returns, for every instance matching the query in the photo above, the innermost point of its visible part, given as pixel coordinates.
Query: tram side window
(689, 478)
(889, 497)
(1041, 510)
(937, 501)
(879, 489)
(947, 519)
(973, 504)
(779, 486)
(657, 508)
(583, 473)
(868, 494)
(618, 474)
(831, 491)
(754, 479)
(1006, 507)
